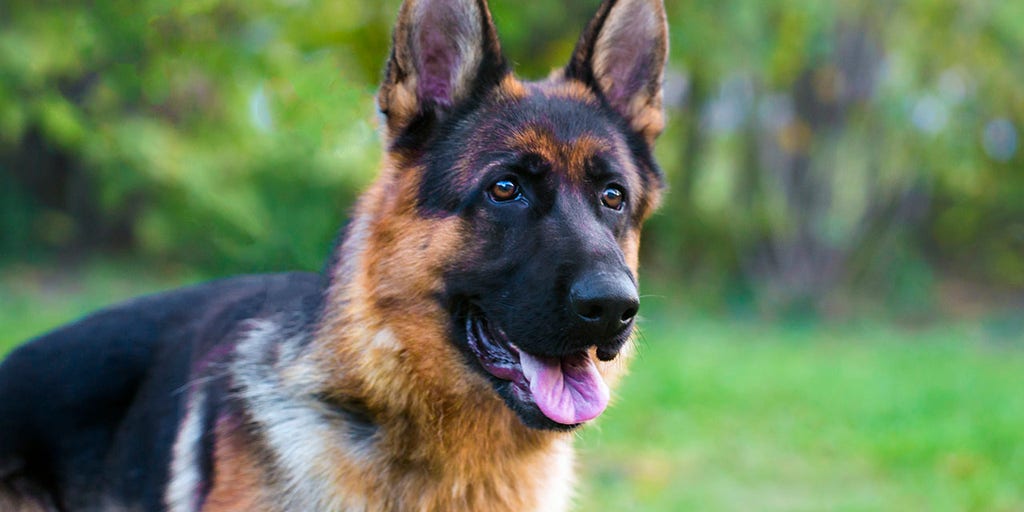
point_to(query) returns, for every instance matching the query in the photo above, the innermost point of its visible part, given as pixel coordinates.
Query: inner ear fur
(621, 55)
(443, 52)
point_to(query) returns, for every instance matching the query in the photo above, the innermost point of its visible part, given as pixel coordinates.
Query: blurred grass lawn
(724, 414)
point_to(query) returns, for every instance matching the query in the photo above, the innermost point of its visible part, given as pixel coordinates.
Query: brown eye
(505, 189)
(613, 197)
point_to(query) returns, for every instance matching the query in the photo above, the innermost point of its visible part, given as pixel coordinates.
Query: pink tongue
(568, 390)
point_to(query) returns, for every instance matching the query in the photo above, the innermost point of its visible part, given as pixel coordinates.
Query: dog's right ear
(443, 52)
(621, 54)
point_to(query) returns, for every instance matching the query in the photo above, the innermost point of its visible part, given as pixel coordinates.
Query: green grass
(721, 414)
(724, 415)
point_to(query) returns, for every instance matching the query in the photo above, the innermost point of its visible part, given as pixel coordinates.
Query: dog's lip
(497, 355)
(568, 389)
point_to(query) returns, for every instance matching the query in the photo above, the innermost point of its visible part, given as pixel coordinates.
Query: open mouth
(567, 389)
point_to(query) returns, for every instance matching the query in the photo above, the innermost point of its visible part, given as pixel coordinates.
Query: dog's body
(475, 311)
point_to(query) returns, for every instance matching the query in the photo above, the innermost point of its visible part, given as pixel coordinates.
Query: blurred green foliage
(814, 148)
(227, 134)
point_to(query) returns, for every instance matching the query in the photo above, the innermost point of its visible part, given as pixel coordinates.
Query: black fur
(92, 409)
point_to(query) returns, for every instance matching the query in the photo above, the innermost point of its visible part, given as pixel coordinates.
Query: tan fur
(237, 478)
(645, 202)
(398, 102)
(447, 441)
(396, 98)
(569, 89)
(512, 89)
(569, 157)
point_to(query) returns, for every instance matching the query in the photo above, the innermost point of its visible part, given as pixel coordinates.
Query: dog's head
(538, 188)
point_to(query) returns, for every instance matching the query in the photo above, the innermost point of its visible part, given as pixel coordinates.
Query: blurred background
(833, 290)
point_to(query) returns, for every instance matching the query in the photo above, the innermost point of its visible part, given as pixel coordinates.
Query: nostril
(628, 314)
(591, 311)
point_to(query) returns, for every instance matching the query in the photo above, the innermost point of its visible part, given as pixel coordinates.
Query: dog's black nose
(604, 303)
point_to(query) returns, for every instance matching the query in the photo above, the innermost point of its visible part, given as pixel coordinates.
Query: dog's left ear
(621, 55)
(443, 52)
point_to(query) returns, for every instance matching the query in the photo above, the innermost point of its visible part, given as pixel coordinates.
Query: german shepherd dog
(476, 310)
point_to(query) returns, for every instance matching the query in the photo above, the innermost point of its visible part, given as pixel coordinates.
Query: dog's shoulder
(85, 393)
(96, 358)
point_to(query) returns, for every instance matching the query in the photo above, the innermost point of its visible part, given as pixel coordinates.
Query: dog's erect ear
(443, 52)
(621, 54)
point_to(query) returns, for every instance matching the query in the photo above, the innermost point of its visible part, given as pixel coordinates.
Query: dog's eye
(505, 189)
(613, 197)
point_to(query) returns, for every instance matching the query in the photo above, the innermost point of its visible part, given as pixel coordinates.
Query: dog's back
(104, 396)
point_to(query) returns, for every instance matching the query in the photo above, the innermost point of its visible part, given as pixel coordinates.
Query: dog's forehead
(562, 122)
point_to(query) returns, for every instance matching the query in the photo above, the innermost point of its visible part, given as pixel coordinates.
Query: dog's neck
(412, 409)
